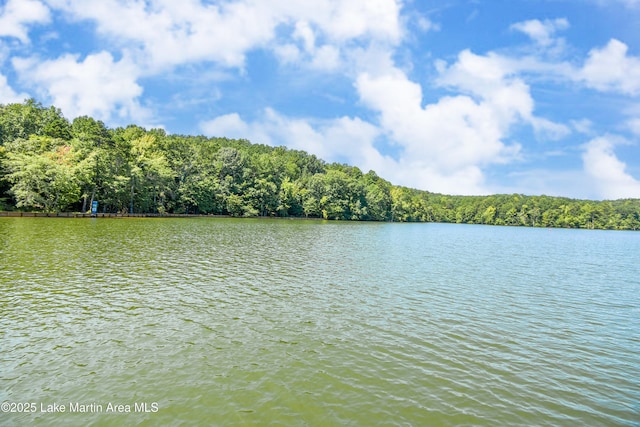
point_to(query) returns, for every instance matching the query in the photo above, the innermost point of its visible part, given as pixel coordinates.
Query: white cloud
(607, 69)
(610, 69)
(304, 32)
(425, 24)
(16, 15)
(342, 20)
(166, 33)
(8, 95)
(446, 145)
(287, 53)
(541, 32)
(375, 59)
(547, 129)
(97, 85)
(607, 172)
(331, 34)
(494, 79)
(155, 36)
(326, 57)
(454, 132)
(489, 78)
(231, 126)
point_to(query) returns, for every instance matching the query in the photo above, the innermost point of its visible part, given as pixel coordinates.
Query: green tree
(489, 215)
(150, 175)
(291, 197)
(43, 180)
(21, 121)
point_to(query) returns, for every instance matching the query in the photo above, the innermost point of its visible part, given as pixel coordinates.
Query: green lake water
(310, 323)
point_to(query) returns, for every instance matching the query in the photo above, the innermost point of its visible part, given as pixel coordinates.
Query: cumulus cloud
(542, 32)
(489, 78)
(17, 15)
(495, 79)
(167, 33)
(156, 36)
(327, 35)
(445, 146)
(324, 57)
(611, 69)
(456, 131)
(343, 20)
(608, 173)
(96, 85)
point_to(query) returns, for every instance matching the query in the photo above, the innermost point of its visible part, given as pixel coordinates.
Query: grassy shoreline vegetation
(50, 164)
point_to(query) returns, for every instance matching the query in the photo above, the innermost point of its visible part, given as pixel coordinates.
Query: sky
(452, 96)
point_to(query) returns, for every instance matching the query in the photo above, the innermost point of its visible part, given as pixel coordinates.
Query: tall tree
(43, 180)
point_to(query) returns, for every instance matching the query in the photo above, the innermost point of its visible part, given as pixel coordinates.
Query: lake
(215, 321)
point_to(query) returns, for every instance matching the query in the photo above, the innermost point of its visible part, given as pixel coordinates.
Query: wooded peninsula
(50, 164)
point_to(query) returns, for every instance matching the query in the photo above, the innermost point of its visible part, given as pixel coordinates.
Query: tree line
(51, 164)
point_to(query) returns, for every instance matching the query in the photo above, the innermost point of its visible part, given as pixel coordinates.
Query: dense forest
(48, 163)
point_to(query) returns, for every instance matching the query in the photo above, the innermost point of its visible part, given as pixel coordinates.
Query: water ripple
(310, 323)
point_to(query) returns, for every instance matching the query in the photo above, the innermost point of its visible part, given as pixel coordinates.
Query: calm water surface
(311, 323)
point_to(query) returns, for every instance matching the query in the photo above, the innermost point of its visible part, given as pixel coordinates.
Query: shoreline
(11, 214)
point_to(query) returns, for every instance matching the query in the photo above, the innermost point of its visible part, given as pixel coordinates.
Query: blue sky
(457, 96)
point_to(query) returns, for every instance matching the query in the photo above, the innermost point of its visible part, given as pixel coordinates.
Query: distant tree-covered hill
(50, 164)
